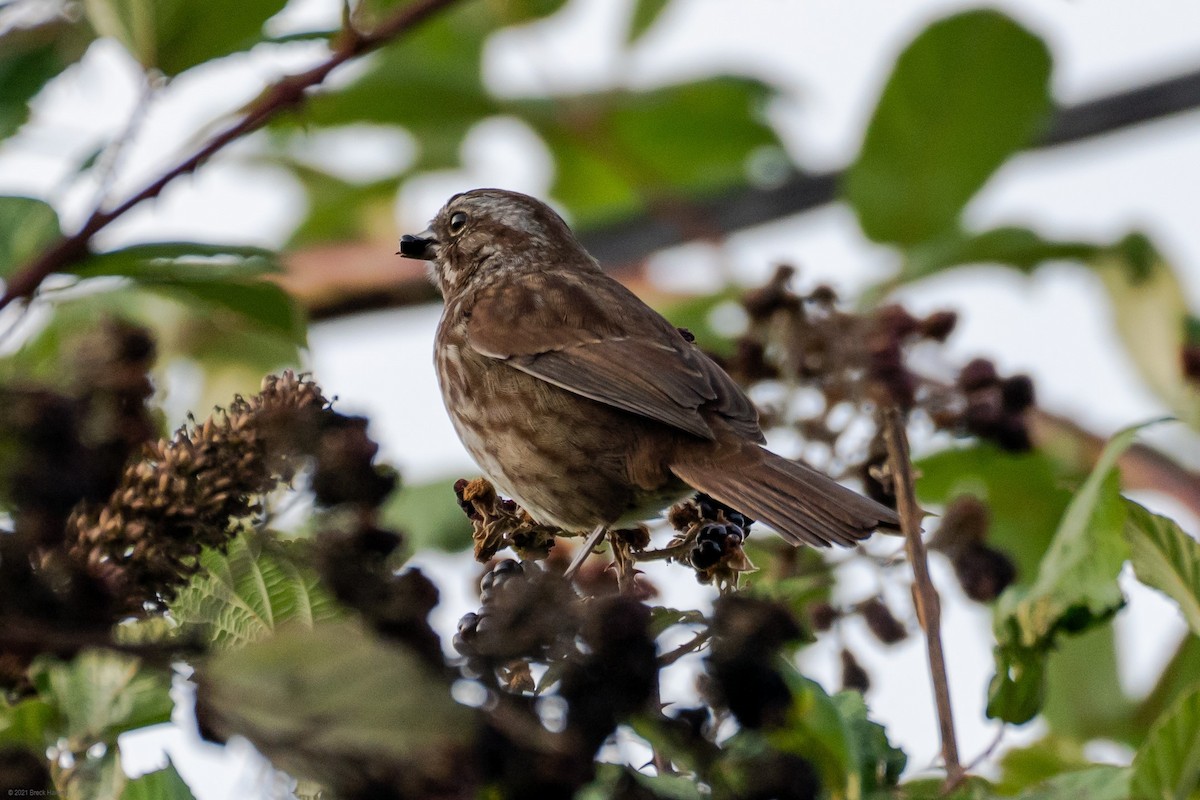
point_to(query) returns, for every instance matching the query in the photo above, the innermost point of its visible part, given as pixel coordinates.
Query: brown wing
(590, 335)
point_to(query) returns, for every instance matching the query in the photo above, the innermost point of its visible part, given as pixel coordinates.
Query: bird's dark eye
(457, 222)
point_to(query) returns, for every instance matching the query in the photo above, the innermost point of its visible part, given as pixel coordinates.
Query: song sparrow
(585, 405)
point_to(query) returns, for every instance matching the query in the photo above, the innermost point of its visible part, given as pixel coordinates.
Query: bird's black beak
(422, 246)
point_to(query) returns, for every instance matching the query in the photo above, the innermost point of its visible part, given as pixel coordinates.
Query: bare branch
(285, 93)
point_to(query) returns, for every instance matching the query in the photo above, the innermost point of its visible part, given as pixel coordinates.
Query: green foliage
(1015, 247)
(293, 696)
(29, 722)
(29, 57)
(645, 14)
(817, 731)
(1167, 766)
(1075, 589)
(1165, 558)
(430, 516)
(26, 226)
(248, 592)
(969, 92)
(102, 694)
(176, 35)
(163, 784)
(1094, 783)
(220, 277)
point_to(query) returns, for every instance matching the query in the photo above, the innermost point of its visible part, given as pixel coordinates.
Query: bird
(585, 405)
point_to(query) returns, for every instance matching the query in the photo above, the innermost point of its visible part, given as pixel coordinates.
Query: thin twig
(673, 551)
(690, 646)
(285, 93)
(924, 593)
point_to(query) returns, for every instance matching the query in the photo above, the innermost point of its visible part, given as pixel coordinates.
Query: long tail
(803, 505)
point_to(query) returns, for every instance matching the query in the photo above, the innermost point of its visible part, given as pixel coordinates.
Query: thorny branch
(285, 93)
(925, 594)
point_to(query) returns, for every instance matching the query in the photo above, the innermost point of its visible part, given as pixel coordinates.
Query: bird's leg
(581, 555)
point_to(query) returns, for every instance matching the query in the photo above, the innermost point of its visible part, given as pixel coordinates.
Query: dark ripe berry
(503, 571)
(707, 554)
(977, 374)
(823, 295)
(938, 326)
(713, 509)
(896, 321)
(965, 523)
(985, 410)
(1189, 360)
(1017, 392)
(983, 572)
(822, 616)
(467, 628)
(1012, 435)
(686, 334)
(881, 622)
(854, 677)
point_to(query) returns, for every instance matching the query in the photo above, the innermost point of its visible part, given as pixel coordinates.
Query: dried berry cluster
(599, 653)
(497, 523)
(189, 492)
(983, 572)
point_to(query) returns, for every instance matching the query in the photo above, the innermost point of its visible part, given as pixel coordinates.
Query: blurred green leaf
(1179, 676)
(645, 12)
(220, 277)
(1023, 767)
(101, 694)
(662, 618)
(1024, 493)
(175, 35)
(1167, 765)
(163, 784)
(429, 515)
(1075, 589)
(1165, 558)
(26, 227)
(181, 261)
(1076, 584)
(340, 210)
(29, 57)
(816, 730)
(249, 591)
(1016, 247)
(319, 700)
(32, 723)
(1095, 783)
(970, 91)
(880, 764)
(695, 314)
(1152, 318)
(972, 788)
(430, 82)
(616, 151)
(619, 782)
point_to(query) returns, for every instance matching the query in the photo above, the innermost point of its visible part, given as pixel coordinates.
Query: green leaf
(662, 618)
(181, 261)
(429, 515)
(1076, 584)
(616, 150)
(321, 700)
(1095, 783)
(340, 210)
(1152, 318)
(27, 226)
(220, 277)
(163, 784)
(1023, 767)
(248, 592)
(1180, 674)
(1167, 766)
(1016, 247)
(695, 314)
(29, 57)
(101, 694)
(816, 730)
(1165, 558)
(175, 35)
(645, 13)
(32, 722)
(1024, 493)
(616, 781)
(1075, 589)
(880, 764)
(969, 92)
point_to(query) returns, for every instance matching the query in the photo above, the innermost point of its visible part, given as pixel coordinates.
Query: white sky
(833, 56)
